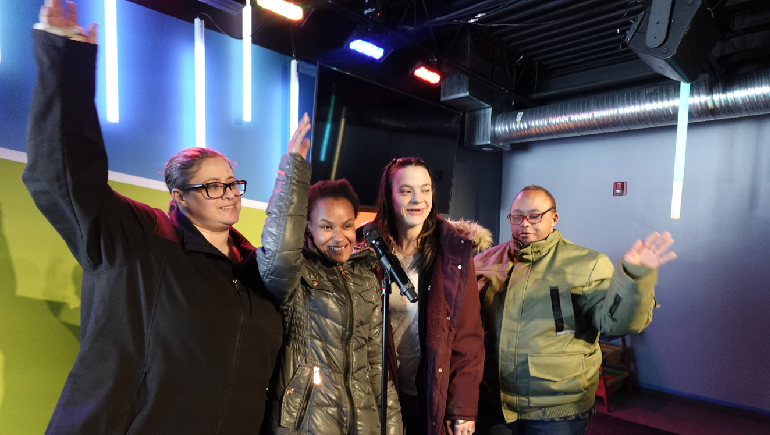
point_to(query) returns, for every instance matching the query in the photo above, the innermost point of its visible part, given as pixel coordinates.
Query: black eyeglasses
(217, 190)
(516, 219)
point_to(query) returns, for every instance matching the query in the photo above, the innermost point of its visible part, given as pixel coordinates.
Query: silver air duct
(742, 95)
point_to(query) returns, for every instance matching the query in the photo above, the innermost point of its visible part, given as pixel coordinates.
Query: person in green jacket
(545, 300)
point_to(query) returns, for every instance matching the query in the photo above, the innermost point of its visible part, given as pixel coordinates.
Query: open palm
(52, 14)
(653, 252)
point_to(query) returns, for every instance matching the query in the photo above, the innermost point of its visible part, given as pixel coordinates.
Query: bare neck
(407, 240)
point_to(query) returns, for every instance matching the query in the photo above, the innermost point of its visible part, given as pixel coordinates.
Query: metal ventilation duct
(742, 95)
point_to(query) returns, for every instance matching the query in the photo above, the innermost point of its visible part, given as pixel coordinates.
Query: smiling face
(412, 196)
(530, 202)
(332, 224)
(210, 214)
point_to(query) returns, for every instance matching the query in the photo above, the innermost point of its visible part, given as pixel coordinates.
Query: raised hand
(653, 253)
(52, 14)
(299, 143)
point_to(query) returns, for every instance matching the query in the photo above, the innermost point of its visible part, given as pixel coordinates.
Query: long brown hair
(427, 241)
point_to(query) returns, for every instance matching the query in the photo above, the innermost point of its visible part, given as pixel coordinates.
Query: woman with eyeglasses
(178, 335)
(437, 348)
(329, 379)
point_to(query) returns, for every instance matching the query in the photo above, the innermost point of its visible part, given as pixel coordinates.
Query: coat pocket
(298, 396)
(556, 375)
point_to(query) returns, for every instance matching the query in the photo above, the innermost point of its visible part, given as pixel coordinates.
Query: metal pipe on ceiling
(603, 48)
(593, 60)
(557, 71)
(579, 43)
(569, 22)
(607, 31)
(519, 12)
(742, 95)
(568, 31)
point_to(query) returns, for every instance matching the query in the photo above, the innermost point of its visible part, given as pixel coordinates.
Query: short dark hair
(332, 189)
(540, 189)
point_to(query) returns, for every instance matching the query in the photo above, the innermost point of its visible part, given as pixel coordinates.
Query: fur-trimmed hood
(472, 230)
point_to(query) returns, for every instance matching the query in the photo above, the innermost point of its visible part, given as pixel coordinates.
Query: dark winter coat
(451, 335)
(174, 338)
(329, 381)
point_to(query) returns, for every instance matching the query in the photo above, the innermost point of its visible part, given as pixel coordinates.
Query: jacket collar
(193, 240)
(534, 250)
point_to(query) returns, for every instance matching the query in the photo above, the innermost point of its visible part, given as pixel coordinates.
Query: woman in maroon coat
(436, 352)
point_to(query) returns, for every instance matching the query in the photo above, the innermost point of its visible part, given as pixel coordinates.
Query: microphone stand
(385, 332)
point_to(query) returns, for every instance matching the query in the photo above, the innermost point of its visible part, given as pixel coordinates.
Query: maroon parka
(453, 358)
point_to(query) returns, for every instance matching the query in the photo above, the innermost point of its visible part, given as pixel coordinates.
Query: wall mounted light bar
(247, 62)
(200, 84)
(280, 7)
(293, 97)
(681, 145)
(111, 59)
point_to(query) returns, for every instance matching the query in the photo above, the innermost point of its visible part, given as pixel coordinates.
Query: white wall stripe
(21, 157)
(136, 181)
(14, 156)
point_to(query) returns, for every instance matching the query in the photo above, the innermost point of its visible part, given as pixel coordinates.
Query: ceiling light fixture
(428, 71)
(365, 47)
(280, 7)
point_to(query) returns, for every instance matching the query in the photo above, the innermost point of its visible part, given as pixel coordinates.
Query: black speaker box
(682, 51)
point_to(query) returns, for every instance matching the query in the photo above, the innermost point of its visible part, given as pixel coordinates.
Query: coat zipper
(348, 357)
(234, 358)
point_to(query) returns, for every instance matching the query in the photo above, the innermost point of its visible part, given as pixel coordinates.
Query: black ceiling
(522, 53)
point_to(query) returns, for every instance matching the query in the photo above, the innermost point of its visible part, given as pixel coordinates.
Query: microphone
(389, 262)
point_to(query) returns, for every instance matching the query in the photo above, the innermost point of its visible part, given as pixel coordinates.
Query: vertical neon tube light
(200, 85)
(247, 62)
(294, 96)
(111, 59)
(681, 145)
(328, 129)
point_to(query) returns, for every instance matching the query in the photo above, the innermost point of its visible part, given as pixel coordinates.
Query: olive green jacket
(543, 307)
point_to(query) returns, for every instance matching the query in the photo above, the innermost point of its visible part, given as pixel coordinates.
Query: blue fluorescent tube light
(111, 59)
(328, 129)
(367, 48)
(247, 62)
(294, 98)
(681, 145)
(200, 85)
